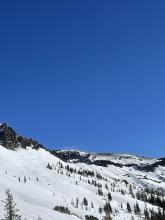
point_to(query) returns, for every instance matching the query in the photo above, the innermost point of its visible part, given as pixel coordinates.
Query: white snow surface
(55, 188)
(123, 158)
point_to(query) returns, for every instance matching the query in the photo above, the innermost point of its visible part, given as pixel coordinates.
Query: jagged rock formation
(11, 140)
(8, 137)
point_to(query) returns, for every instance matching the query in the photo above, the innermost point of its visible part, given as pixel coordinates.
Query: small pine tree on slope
(11, 213)
(107, 211)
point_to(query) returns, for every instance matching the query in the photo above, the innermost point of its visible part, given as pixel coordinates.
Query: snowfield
(37, 189)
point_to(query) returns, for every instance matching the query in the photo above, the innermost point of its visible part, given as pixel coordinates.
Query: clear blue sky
(85, 74)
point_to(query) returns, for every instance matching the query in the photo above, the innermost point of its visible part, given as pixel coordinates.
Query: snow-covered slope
(46, 188)
(41, 180)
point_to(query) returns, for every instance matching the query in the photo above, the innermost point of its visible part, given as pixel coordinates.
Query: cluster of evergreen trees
(152, 215)
(62, 209)
(90, 217)
(151, 197)
(81, 172)
(136, 209)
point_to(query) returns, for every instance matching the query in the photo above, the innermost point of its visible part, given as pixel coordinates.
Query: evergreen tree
(137, 209)
(24, 179)
(109, 196)
(131, 191)
(11, 213)
(146, 214)
(108, 211)
(100, 192)
(85, 202)
(129, 208)
(100, 210)
(77, 202)
(49, 166)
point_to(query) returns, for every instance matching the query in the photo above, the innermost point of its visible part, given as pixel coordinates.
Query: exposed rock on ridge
(11, 140)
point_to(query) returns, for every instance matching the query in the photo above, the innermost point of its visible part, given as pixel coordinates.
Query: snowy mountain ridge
(72, 185)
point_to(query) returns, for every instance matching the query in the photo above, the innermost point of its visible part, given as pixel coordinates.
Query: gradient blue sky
(85, 74)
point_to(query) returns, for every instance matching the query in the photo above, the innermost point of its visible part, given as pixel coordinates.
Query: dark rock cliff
(11, 140)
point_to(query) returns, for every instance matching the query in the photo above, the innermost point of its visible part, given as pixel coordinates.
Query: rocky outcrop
(72, 156)
(11, 140)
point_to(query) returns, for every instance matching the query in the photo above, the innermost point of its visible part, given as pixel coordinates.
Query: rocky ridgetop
(73, 156)
(11, 140)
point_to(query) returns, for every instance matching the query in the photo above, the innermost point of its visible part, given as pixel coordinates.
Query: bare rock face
(11, 140)
(8, 137)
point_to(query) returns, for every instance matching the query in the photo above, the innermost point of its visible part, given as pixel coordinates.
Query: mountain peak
(11, 140)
